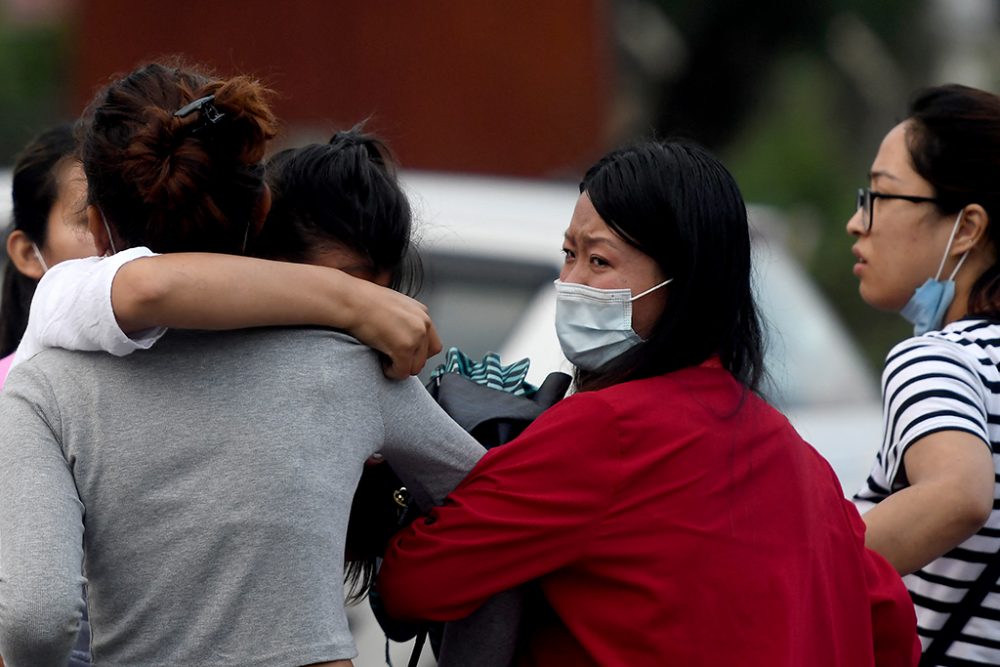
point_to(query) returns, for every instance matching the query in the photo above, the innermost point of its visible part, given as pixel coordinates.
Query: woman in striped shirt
(930, 502)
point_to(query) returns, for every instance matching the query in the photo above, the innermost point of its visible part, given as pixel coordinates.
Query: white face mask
(38, 256)
(595, 325)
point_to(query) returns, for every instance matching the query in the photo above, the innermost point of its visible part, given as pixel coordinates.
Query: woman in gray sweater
(203, 485)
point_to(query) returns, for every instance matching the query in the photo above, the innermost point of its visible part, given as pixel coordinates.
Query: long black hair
(35, 190)
(678, 204)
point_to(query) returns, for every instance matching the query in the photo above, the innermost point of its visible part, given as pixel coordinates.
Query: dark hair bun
(178, 182)
(164, 162)
(248, 116)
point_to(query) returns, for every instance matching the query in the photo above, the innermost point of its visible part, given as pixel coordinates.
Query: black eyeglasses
(867, 197)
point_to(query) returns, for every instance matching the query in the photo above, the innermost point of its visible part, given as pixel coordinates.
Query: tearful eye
(567, 254)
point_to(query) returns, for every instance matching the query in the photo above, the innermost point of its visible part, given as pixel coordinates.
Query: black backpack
(493, 417)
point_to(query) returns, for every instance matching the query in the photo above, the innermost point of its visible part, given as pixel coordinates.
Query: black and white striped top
(946, 380)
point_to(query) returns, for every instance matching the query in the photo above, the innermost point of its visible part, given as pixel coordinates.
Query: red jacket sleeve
(527, 509)
(894, 623)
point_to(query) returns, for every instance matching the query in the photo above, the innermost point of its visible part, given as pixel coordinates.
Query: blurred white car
(491, 248)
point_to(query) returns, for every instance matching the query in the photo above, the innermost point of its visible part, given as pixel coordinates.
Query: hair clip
(210, 114)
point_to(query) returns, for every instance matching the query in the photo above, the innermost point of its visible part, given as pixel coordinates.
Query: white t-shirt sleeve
(72, 309)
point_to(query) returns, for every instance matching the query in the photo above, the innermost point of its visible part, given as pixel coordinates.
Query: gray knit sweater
(203, 487)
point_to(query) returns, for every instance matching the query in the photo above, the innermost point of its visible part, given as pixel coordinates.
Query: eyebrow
(872, 175)
(589, 239)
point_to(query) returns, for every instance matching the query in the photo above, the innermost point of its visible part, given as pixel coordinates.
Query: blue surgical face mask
(929, 303)
(595, 325)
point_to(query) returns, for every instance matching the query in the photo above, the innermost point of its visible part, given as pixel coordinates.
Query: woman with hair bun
(216, 468)
(74, 312)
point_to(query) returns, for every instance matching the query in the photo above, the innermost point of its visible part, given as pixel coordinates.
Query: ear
(972, 231)
(23, 255)
(95, 224)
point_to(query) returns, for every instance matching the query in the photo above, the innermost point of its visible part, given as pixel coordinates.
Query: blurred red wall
(516, 87)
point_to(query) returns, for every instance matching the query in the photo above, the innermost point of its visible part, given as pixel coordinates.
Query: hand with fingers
(397, 326)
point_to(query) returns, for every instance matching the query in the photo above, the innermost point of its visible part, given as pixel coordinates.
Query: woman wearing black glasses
(928, 230)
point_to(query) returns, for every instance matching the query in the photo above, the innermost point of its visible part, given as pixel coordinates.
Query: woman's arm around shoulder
(71, 309)
(211, 291)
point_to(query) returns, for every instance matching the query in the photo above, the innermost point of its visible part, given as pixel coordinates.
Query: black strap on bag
(964, 611)
(493, 418)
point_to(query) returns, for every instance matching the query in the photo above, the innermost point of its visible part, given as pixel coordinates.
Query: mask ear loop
(107, 228)
(652, 289)
(38, 256)
(954, 231)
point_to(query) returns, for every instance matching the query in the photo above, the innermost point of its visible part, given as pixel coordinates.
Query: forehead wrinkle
(589, 239)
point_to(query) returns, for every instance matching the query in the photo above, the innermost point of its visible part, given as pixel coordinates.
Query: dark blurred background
(795, 96)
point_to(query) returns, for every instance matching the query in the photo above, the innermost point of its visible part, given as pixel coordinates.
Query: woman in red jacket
(668, 514)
